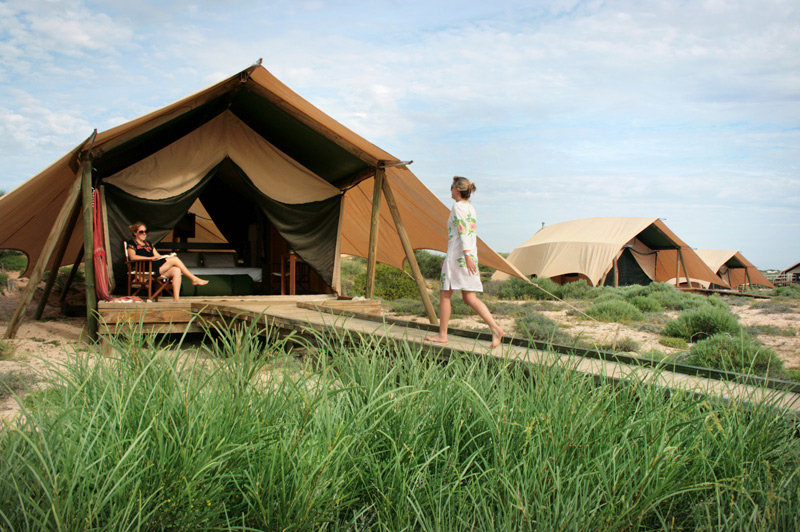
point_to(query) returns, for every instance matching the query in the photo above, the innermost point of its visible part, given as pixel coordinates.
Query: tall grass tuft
(382, 436)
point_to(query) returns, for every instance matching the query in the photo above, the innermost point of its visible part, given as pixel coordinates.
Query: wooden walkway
(325, 313)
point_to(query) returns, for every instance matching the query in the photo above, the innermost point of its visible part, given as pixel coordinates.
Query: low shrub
(3, 280)
(13, 261)
(538, 327)
(430, 264)
(792, 292)
(705, 321)
(768, 330)
(774, 307)
(579, 289)
(408, 306)
(6, 349)
(615, 311)
(624, 345)
(646, 304)
(519, 289)
(390, 283)
(676, 300)
(675, 343)
(738, 353)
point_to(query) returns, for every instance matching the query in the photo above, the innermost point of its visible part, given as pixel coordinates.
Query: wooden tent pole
(685, 270)
(71, 278)
(44, 258)
(88, 243)
(412, 259)
(380, 176)
(748, 282)
(677, 268)
(57, 258)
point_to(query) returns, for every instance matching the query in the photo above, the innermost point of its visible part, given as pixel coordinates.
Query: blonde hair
(464, 186)
(135, 227)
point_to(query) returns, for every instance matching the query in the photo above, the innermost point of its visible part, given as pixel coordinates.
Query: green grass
(13, 261)
(6, 350)
(382, 437)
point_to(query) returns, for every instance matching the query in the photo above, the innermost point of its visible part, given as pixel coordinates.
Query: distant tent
(613, 251)
(732, 267)
(259, 161)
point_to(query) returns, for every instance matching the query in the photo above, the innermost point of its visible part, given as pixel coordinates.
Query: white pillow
(219, 260)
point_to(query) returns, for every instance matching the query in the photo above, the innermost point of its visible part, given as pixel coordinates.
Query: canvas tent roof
(590, 246)
(268, 143)
(733, 267)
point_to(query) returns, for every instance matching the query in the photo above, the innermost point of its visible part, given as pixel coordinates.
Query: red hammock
(99, 255)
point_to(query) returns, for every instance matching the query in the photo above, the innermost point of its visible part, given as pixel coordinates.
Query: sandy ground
(39, 343)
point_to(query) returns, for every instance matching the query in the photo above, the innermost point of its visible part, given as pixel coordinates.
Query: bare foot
(439, 339)
(200, 282)
(497, 336)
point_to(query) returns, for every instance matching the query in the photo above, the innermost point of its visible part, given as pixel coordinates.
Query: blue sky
(682, 110)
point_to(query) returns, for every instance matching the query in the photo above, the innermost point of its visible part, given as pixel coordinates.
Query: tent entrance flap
(242, 213)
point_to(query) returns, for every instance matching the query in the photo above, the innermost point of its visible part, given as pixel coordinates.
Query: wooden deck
(327, 313)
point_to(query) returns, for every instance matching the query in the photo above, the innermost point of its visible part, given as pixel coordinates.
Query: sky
(688, 111)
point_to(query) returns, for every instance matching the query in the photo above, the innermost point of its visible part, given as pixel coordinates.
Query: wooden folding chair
(142, 279)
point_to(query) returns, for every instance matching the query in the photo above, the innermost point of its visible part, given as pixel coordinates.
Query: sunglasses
(142, 232)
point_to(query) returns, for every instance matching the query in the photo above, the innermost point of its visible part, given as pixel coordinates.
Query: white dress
(462, 225)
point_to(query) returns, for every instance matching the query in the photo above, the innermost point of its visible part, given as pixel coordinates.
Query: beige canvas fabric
(590, 246)
(735, 276)
(178, 167)
(27, 213)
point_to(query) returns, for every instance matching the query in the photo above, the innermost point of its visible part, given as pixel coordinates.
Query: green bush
(538, 327)
(674, 299)
(518, 289)
(646, 304)
(615, 311)
(738, 353)
(11, 260)
(670, 341)
(705, 321)
(390, 283)
(407, 306)
(625, 345)
(351, 267)
(792, 292)
(579, 289)
(3, 280)
(430, 264)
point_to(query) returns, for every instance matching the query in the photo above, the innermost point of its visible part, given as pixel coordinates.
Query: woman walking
(460, 265)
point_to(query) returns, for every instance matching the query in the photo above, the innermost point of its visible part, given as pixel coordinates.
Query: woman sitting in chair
(168, 266)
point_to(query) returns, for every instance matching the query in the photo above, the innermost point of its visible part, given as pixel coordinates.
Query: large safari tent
(733, 268)
(615, 251)
(261, 169)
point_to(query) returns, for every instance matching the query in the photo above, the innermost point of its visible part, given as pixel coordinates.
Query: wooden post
(57, 258)
(616, 272)
(685, 270)
(748, 283)
(412, 259)
(677, 267)
(44, 258)
(380, 177)
(88, 243)
(71, 277)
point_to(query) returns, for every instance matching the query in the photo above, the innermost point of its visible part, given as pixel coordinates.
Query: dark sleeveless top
(144, 250)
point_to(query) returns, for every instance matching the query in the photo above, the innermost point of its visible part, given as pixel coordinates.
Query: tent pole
(616, 272)
(748, 281)
(88, 243)
(678, 268)
(57, 258)
(412, 259)
(380, 175)
(44, 257)
(71, 278)
(685, 270)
